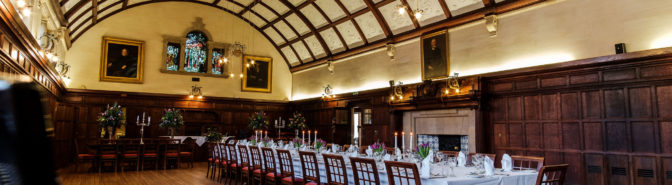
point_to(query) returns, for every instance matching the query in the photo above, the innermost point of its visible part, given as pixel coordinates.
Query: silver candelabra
(143, 124)
(279, 124)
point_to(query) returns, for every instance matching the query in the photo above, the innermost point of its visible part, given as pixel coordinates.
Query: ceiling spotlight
(418, 14)
(241, 75)
(26, 12)
(402, 9)
(231, 75)
(21, 3)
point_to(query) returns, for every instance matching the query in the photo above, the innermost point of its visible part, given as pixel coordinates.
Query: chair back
(256, 158)
(309, 166)
(244, 156)
(286, 164)
(365, 171)
(150, 148)
(222, 153)
(554, 175)
(173, 147)
(402, 173)
(131, 148)
(269, 160)
(335, 167)
(452, 153)
(233, 157)
(108, 149)
(527, 162)
(188, 145)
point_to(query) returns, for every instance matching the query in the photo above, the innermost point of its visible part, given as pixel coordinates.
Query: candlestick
(309, 138)
(403, 141)
(149, 120)
(395, 140)
(315, 136)
(411, 143)
(303, 136)
(137, 120)
(143, 116)
(266, 133)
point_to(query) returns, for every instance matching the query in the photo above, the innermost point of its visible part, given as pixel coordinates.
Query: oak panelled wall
(611, 122)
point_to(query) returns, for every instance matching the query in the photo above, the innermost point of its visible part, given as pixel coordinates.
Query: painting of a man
(121, 60)
(435, 63)
(257, 74)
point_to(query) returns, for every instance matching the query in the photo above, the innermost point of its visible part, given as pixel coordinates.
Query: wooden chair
(234, 168)
(335, 167)
(130, 154)
(222, 161)
(213, 160)
(451, 153)
(257, 166)
(555, 175)
(390, 150)
(172, 152)
(491, 156)
(287, 168)
(310, 168)
(150, 152)
(107, 153)
(402, 173)
(187, 151)
(83, 156)
(365, 171)
(527, 162)
(245, 171)
(272, 176)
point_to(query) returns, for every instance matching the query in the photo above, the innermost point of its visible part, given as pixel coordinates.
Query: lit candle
(256, 134)
(143, 116)
(137, 120)
(149, 120)
(395, 140)
(315, 136)
(411, 143)
(266, 133)
(403, 141)
(276, 123)
(309, 137)
(303, 136)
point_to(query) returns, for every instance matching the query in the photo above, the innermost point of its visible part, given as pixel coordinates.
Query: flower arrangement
(319, 144)
(111, 117)
(213, 136)
(253, 140)
(266, 141)
(172, 120)
(423, 150)
(297, 142)
(297, 121)
(377, 147)
(258, 121)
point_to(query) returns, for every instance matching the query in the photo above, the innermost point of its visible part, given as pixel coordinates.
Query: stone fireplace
(447, 129)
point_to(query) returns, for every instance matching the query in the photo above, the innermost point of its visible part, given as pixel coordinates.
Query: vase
(110, 134)
(172, 133)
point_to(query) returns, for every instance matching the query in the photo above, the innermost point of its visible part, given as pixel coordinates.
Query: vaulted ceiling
(309, 32)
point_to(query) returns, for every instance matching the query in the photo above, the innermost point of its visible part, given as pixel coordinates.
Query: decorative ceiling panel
(369, 25)
(277, 39)
(398, 22)
(301, 49)
(110, 10)
(103, 4)
(254, 18)
(80, 11)
(80, 21)
(297, 23)
(289, 54)
(265, 12)
(332, 40)
(431, 11)
(353, 5)
(350, 34)
(81, 29)
(314, 16)
(131, 2)
(315, 46)
(285, 30)
(233, 7)
(69, 4)
(244, 2)
(277, 6)
(296, 2)
(331, 8)
(458, 7)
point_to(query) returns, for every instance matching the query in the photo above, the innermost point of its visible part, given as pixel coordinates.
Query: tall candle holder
(279, 124)
(142, 125)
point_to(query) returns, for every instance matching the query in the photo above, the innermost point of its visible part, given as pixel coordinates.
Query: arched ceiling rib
(309, 32)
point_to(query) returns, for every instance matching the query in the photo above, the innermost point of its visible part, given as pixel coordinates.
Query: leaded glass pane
(196, 50)
(172, 56)
(218, 61)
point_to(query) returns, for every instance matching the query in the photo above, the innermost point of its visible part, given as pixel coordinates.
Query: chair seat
(224, 163)
(289, 179)
(257, 171)
(108, 156)
(312, 183)
(186, 153)
(210, 159)
(85, 156)
(245, 169)
(273, 175)
(130, 155)
(150, 155)
(234, 165)
(171, 154)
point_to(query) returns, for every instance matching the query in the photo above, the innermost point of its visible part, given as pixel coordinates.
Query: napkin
(507, 163)
(461, 159)
(489, 166)
(397, 152)
(425, 169)
(369, 152)
(285, 147)
(303, 148)
(333, 147)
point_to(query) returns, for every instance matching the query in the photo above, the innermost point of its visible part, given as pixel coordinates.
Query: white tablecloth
(200, 140)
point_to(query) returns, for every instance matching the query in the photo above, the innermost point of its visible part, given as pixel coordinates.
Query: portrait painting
(122, 60)
(435, 58)
(257, 74)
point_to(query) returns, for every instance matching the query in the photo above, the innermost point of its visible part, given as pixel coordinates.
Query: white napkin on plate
(489, 166)
(397, 152)
(426, 165)
(461, 159)
(507, 163)
(369, 152)
(285, 147)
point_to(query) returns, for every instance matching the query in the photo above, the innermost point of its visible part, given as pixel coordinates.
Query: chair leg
(207, 172)
(76, 164)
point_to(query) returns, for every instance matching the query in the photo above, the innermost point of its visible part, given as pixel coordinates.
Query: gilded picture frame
(122, 60)
(257, 74)
(435, 55)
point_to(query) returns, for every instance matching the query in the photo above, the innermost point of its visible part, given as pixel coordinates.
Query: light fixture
(330, 66)
(231, 75)
(418, 14)
(247, 65)
(195, 92)
(391, 50)
(453, 82)
(252, 62)
(491, 23)
(225, 59)
(402, 9)
(49, 55)
(241, 75)
(328, 93)
(26, 12)
(21, 3)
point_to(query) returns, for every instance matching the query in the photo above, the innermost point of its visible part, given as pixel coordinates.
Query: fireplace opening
(450, 142)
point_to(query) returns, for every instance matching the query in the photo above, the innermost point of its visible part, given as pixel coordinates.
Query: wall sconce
(453, 82)
(391, 50)
(491, 24)
(196, 92)
(397, 91)
(330, 66)
(24, 7)
(328, 93)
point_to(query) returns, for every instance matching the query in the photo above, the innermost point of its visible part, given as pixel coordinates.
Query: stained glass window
(172, 56)
(218, 61)
(196, 50)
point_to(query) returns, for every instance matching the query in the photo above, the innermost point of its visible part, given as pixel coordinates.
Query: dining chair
(451, 153)
(222, 161)
(527, 162)
(130, 154)
(365, 171)
(108, 153)
(310, 168)
(287, 168)
(234, 168)
(257, 166)
(150, 152)
(171, 152)
(244, 164)
(272, 176)
(402, 173)
(552, 175)
(491, 156)
(83, 156)
(187, 151)
(336, 170)
(213, 160)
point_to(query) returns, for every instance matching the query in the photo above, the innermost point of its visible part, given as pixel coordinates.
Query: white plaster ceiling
(331, 8)
(275, 37)
(289, 54)
(296, 22)
(132, 2)
(110, 10)
(254, 18)
(350, 34)
(285, 30)
(277, 6)
(398, 23)
(233, 7)
(353, 6)
(332, 40)
(264, 12)
(369, 25)
(296, 2)
(458, 7)
(431, 11)
(244, 2)
(315, 46)
(301, 49)
(314, 16)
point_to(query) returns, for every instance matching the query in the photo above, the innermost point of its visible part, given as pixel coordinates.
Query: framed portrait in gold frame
(435, 55)
(122, 60)
(257, 74)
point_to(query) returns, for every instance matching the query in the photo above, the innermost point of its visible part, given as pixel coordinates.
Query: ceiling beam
(476, 15)
(74, 8)
(291, 10)
(410, 13)
(338, 33)
(445, 9)
(281, 34)
(59, 13)
(248, 7)
(94, 11)
(310, 26)
(379, 17)
(489, 3)
(352, 20)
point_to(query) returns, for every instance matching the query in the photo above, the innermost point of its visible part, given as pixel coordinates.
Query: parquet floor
(184, 175)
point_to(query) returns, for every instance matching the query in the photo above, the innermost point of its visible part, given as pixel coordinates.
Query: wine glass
(452, 163)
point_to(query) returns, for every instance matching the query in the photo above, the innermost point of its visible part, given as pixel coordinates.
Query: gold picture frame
(257, 74)
(122, 60)
(435, 55)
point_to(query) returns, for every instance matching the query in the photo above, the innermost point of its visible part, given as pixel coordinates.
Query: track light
(418, 14)
(402, 9)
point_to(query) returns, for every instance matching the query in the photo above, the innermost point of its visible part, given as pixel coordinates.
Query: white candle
(395, 140)
(309, 137)
(149, 120)
(276, 123)
(143, 116)
(315, 136)
(411, 143)
(137, 120)
(266, 133)
(403, 141)
(256, 135)
(303, 136)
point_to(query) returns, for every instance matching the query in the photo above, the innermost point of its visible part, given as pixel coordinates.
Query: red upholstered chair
(83, 156)
(365, 171)
(130, 155)
(234, 167)
(272, 176)
(222, 161)
(107, 153)
(245, 169)
(187, 151)
(150, 152)
(258, 172)
(402, 173)
(287, 169)
(310, 168)
(335, 167)
(555, 175)
(172, 152)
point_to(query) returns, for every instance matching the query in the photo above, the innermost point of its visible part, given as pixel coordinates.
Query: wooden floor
(183, 175)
